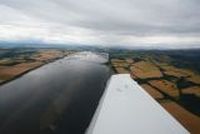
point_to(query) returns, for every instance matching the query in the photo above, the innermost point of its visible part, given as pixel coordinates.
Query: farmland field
(170, 77)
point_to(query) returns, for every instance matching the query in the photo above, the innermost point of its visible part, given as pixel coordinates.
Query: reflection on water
(91, 57)
(60, 97)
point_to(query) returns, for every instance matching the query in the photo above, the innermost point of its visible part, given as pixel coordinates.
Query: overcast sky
(129, 23)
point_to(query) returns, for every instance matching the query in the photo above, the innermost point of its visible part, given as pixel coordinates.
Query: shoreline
(29, 70)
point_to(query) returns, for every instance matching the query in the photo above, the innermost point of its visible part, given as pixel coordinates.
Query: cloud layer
(103, 22)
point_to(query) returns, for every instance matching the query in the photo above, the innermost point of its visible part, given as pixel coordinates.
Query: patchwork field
(176, 88)
(171, 77)
(188, 120)
(15, 62)
(145, 70)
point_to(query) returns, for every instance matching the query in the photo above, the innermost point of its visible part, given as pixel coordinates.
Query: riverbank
(12, 68)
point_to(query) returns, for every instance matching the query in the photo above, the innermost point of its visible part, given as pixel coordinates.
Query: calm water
(60, 97)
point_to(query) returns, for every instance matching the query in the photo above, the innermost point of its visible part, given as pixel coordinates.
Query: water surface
(60, 97)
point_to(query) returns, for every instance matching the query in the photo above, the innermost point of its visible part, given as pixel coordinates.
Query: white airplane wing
(126, 108)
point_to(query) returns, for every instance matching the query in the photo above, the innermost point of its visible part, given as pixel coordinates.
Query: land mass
(170, 77)
(16, 62)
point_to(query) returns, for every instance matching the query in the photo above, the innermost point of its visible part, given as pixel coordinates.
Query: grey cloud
(117, 17)
(125, 16)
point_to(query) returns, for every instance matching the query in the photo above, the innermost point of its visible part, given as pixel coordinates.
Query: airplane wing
(126, 108)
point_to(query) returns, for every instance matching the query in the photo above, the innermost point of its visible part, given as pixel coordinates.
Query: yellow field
(166, 86)
(152, 91)
(144, 70)
(194, 78)
(13, 67)
(190, 121)
(192, 90)
(160, 79)
(10, 72)
(48, 55)
(121, 70)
